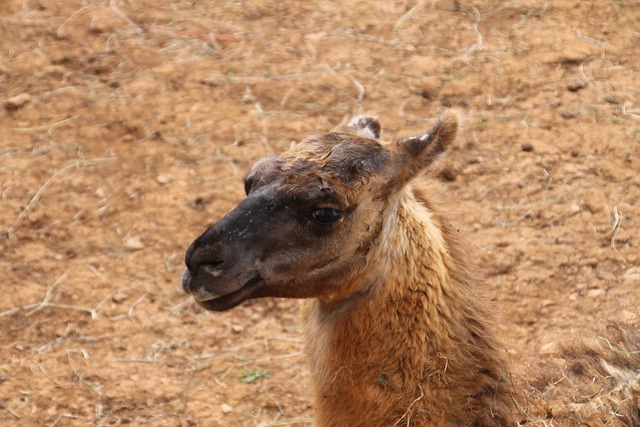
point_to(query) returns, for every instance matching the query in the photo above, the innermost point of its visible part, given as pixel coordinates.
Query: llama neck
(398, 345)
(413, 304)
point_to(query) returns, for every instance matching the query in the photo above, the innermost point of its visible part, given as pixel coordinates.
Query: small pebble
(526, 147)
(133, 243)
(569, 114)
(119, 297)
(226, 408)
(198, 204)
(448, 174)
(17, 101)
(574, 207)
(594, 293)
(576, 86)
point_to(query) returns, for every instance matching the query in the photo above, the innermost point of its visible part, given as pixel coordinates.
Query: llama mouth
(185, 279)
(231, 300)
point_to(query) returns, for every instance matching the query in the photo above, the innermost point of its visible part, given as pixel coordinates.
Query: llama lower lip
(227, 302)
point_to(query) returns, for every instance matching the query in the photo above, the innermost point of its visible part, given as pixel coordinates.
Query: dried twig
(208, 37)
(595, 42)
(12, 411)
(95, 388)
(78, 12)
(46, 302)
(288, 422)
(145, 360)
(48, 128)
(615, 221)
(404, 18)
(66, 340)
(408, 412)
(543, 202)
(285, 98)
(25, 9)
(91, 311)
(13, 310)
(228, 350)
(477, 46)
(73, 165)
(380, 40)
(124, 17)
(276, 357)
(264, 136)
(630, 113)
(617, 350)
(133, 306)
(216, 80)
(57, 382)
(515, 221)
(359, 87)
(585, 79)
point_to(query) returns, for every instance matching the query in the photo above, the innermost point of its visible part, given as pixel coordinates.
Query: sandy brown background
(126, 128)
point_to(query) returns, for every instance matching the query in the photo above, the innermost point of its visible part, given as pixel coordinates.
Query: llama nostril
(212, 268)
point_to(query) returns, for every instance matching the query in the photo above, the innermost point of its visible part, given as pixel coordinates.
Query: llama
(396, 331)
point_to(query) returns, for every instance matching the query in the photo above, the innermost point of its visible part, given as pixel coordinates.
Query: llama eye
(326, 216)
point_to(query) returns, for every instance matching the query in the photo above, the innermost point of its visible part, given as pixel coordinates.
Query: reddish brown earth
(126, 127)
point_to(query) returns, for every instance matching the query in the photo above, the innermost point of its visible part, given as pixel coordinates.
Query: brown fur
(419, 350)
(397, 331)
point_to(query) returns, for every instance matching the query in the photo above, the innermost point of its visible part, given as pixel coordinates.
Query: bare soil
(126, 128)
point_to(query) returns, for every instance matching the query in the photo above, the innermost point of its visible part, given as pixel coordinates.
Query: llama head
(312, 217)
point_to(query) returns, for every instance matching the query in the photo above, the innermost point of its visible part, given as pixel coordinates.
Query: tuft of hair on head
(364, 126)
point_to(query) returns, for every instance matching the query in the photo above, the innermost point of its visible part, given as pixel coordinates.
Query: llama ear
(366, 127)
(422, 150)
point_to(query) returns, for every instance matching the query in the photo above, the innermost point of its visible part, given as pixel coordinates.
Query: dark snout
(223, 263)
(210, 262)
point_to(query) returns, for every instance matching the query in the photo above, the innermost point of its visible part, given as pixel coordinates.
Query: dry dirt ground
(126, 127)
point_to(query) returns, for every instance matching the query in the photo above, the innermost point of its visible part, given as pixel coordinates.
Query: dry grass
(604, 378)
